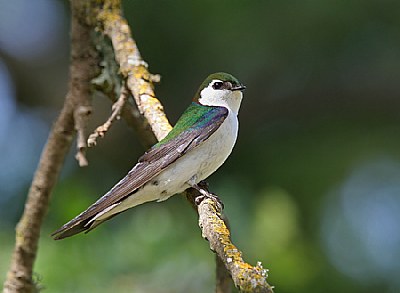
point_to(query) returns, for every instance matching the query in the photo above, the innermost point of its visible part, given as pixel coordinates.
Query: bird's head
(220, 89)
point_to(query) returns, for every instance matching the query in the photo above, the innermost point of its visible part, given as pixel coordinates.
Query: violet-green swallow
(196, 147)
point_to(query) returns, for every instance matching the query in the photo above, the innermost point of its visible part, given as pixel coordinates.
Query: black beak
(239, 87)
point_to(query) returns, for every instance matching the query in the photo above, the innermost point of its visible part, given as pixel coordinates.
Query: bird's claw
(204, 195)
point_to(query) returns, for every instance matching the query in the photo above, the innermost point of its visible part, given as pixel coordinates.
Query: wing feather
(149, 166)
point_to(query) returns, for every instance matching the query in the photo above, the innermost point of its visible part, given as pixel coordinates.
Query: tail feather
(72, 228)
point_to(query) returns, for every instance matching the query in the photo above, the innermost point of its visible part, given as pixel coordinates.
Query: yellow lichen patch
(107, 17)
(246, 277)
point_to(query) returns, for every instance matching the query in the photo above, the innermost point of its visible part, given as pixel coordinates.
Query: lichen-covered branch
(140, 83)
(246, 278)
(71, 119)
(133, 68)
(110, 83)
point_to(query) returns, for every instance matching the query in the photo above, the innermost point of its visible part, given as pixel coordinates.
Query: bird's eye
(218, 85)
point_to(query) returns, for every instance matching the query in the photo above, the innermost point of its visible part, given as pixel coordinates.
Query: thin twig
(108, 83)
(81, 117)
(115, 115)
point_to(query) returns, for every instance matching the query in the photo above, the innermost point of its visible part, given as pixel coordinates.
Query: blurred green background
(312, 188)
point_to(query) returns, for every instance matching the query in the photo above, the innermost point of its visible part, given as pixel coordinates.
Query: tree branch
(133, 68)
(73, 117)
(140, 83)
(19, 277)
(245, 277)
(116, 114)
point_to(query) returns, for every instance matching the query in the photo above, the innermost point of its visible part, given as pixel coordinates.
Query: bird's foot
(211, 196)
(202, 187)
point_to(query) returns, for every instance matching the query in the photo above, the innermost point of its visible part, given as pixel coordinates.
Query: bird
(199, 143)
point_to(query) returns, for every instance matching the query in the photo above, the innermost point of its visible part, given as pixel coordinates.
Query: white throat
(226, 98)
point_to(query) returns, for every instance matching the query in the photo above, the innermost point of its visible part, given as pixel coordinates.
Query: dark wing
(149, 166)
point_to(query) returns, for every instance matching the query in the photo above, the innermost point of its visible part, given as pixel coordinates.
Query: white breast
(213, 153)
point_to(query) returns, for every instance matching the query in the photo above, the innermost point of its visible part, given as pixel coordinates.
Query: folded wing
(159, 157)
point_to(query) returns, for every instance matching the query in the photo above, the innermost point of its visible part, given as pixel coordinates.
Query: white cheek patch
(212, 97)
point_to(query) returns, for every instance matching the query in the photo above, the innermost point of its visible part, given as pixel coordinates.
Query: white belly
(200, 162)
